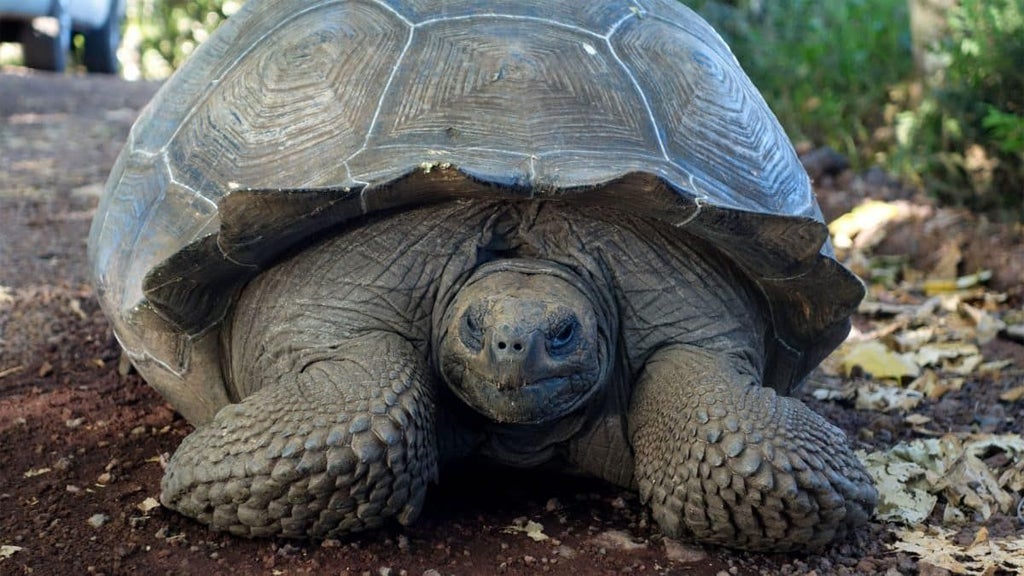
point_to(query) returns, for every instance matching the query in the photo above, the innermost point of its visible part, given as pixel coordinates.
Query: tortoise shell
(296, 117)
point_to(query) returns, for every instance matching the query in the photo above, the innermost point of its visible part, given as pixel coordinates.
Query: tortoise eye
(470, 332)
(564, 337)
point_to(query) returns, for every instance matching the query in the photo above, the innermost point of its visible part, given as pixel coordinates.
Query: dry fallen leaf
(933, 386)
(911, 475)
(944, 286)
(980, 537)
(938, 547)
(147, 505)
(865, 224)
(872, 396)
(910, 340)
(1013, 394)
(874, 358)
(939, 354)
(898, 499)
(533, 530)
(987, 326)
(917, 419)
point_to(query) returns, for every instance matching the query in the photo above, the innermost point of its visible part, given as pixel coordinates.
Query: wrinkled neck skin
(528, 346)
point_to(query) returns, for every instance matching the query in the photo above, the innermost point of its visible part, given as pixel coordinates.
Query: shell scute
(738, 153)
(290, 111)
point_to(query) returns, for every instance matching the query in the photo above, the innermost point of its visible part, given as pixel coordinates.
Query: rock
(97, 520)
(567, 552)
(617, 540)
(824, 161)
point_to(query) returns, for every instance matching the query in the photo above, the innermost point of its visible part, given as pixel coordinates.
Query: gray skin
(527, 332)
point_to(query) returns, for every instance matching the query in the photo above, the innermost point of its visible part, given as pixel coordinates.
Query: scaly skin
(731, 462)
(344, 445)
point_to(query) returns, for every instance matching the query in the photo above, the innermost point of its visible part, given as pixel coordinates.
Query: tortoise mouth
(522, 341)
(520, 402)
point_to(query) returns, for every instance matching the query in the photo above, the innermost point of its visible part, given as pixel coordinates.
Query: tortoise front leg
(722, 457)
(345, 443)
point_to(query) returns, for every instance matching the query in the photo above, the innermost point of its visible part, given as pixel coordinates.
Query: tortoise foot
(341, 447)
(729, 461)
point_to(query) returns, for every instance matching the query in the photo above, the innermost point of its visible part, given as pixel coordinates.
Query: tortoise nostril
(509, 346)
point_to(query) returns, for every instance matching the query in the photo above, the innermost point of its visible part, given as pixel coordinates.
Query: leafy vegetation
(841, 74)
(964, 140)
(825, 68)
(165, 32)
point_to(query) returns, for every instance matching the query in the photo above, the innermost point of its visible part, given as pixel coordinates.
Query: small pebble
(617, 540)
(566, 552)
(97, 520)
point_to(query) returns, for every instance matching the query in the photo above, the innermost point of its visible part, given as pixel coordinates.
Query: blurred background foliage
(161, 34)
(932, 90)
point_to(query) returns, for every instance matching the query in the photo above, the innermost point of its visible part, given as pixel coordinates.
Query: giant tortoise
(354, 241)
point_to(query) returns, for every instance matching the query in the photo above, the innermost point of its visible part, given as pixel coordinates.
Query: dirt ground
(80, 445)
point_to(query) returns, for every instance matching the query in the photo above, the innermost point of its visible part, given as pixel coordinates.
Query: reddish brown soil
(80, 445)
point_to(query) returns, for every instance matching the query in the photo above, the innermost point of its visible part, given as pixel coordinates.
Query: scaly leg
(728, 460)
(346, 443)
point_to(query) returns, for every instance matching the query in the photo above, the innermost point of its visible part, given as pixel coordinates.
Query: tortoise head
(523, 341)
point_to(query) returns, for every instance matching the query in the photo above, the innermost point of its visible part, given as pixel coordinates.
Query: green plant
(825, 68)
(1007, 130)
(167, 31)
(965, 140)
